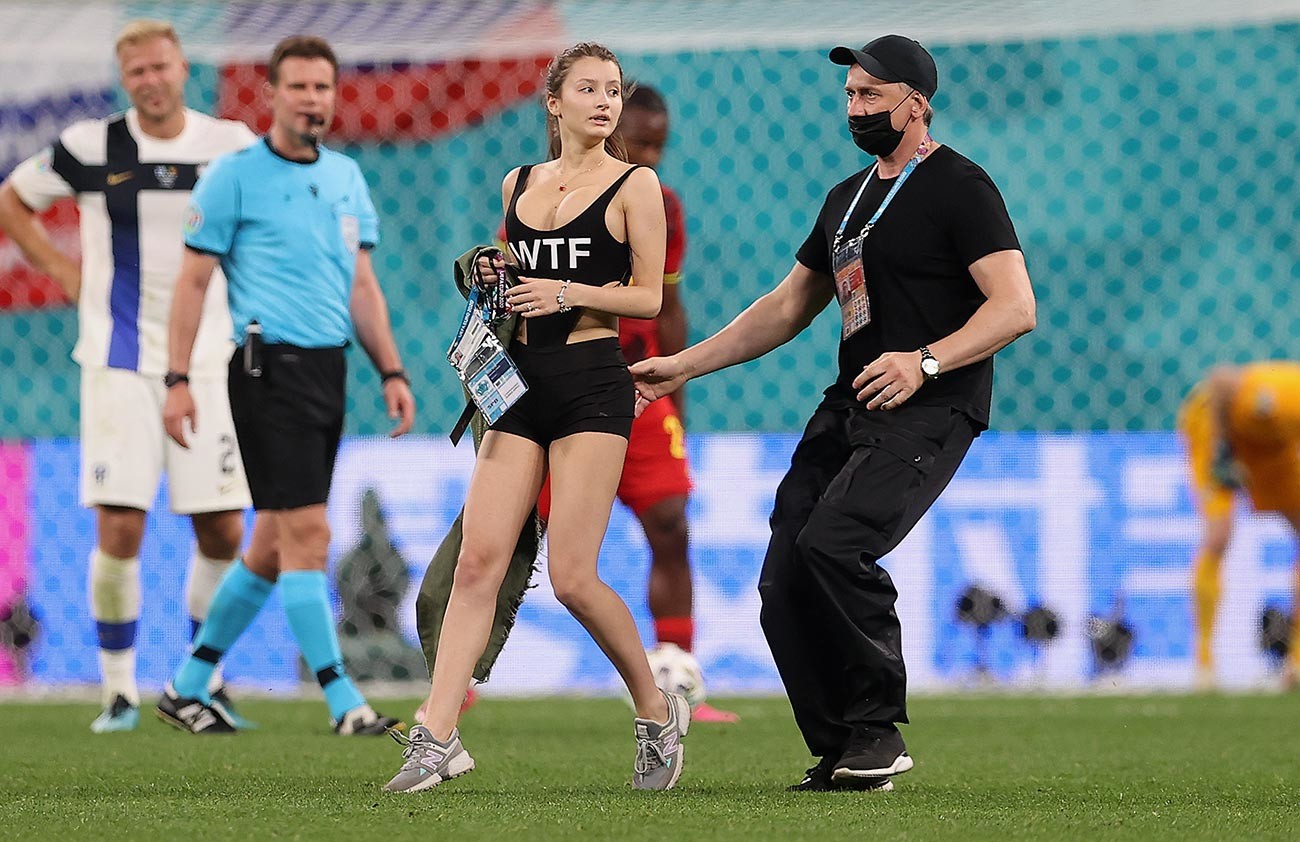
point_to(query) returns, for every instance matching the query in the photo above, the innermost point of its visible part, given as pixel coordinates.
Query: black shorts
(580, 388)
(288, 422)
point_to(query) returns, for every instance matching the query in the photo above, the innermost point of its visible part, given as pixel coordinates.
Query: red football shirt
(640, 337)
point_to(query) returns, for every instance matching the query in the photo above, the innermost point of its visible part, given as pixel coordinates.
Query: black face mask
(875, 133)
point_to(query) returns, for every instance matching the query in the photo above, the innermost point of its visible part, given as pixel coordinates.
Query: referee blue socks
(235, 605)
(305, 597)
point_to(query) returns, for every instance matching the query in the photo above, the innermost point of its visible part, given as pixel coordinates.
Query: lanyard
(473, 310)
(875, 217)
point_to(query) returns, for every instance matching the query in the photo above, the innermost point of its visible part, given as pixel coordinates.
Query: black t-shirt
(947, 215)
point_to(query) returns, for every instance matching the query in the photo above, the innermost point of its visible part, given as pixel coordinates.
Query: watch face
(930, 366)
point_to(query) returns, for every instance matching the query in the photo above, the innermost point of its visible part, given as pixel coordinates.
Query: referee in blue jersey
(291, 225)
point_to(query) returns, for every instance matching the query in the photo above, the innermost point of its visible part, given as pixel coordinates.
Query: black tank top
(582, 251)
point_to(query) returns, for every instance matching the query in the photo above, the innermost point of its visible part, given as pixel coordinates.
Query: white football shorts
(125, 451)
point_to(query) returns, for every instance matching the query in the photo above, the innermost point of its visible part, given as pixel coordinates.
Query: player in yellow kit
(1242, 428)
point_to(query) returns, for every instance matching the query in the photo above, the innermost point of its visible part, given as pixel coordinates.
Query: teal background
(1152, 179)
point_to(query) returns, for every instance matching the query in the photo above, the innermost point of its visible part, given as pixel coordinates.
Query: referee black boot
(873, 751)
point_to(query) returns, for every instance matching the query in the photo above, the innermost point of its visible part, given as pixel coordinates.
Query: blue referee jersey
(287, 233)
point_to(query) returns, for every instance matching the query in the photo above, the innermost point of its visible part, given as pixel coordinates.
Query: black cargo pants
(858, 482)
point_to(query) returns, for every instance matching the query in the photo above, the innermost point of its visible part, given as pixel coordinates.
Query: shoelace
(648, 750)
(413, 750)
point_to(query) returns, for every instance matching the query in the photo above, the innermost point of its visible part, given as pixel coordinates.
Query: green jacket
(435, 590)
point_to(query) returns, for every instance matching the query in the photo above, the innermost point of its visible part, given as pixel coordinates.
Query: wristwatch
(175, 378)
(929, 365)
(395, 374)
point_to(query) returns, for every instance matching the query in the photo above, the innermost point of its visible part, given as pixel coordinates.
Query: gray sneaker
(659, 746)
(428, 762)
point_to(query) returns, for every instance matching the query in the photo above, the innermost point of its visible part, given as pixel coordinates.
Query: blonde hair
(144, 29)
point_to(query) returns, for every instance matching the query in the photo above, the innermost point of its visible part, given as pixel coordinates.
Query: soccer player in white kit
(132, 174)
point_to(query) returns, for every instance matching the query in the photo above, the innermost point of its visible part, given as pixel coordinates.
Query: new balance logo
(116, 178)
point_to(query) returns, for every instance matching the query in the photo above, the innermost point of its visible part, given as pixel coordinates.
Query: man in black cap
(921, 257)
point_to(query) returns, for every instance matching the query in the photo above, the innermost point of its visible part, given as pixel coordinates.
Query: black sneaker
(362, 721)
(874, 751)
(818, 779)
(881, 784)
(193, 715)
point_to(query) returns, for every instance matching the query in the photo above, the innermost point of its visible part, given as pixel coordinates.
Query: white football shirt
(132, 190)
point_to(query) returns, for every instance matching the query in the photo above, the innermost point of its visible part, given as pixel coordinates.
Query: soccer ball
(676, 671)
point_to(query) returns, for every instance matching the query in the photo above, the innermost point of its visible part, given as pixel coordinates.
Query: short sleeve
(367, 219)
(213, 213)
(815, 251)
(36, 181)
(979, 222)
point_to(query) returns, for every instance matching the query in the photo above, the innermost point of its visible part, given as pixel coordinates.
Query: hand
(658, 377)
(533, 297)
(888, 382)
(487, 269)
(401, 406)
(178, 407)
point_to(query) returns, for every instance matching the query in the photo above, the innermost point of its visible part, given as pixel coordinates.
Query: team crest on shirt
(193, 220)
(166, 175)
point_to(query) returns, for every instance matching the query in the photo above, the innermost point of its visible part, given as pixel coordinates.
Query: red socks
(677, 630)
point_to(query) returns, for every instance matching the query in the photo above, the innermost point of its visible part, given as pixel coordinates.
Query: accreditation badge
(483, 365)
(851, 287)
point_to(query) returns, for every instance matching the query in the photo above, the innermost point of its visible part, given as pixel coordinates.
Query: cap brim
(847, 56)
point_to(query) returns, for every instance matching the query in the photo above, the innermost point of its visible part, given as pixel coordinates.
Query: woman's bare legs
(502, 492)
(585, 470)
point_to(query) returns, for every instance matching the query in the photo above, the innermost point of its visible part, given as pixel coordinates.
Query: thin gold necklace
(565, 181)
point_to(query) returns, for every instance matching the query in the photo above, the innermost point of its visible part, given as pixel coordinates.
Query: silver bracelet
(559, 298)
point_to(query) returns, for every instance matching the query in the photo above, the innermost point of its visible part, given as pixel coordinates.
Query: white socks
(115, 606)
(201, 583)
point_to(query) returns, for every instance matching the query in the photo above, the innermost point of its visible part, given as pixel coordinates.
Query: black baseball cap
(893, 58)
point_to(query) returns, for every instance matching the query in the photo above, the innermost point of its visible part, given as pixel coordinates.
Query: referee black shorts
(288, 422)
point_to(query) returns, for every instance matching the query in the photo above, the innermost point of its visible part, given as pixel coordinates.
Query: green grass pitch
(1148, 768)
